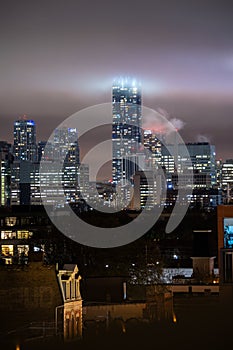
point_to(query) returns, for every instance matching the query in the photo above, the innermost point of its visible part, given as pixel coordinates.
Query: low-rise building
(38, 300)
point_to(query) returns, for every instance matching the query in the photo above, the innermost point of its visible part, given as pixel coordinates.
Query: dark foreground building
(39, 301)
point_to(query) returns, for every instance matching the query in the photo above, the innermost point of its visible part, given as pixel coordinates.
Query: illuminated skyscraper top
(127, 122)
(25, 140)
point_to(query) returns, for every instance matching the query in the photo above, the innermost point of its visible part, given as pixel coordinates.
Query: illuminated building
(5, 162)
(75, 179)
(14, 240)
(25, 140)
(65, 145)
(205, 193)
(30, 185)
(40, 150)
(126, 129)
(227, 179)
(75, 176)
(25, 152)
(83, 179)
(219, 173)
(202, 156)
(27, 180)
(145, 191)
(153, 145)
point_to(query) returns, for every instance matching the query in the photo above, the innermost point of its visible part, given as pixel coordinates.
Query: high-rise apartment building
(127, 133)
(29, 184)
(63, 148)
(25, 140)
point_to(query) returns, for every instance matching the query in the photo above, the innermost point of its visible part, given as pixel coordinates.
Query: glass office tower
(25, 140)
(126, 128)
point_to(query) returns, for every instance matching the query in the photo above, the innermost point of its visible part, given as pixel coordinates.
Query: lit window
(10, 221)
(8, 234)
(7, 250)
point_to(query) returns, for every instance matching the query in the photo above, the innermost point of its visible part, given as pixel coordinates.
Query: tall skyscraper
(25, 140)
(63, 149)
(126, 129)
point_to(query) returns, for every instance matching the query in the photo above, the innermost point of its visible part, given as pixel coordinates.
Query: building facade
(225, 253)
(25, 140)
(5, 173)
(153, 144)
(227, 180)
(202, 156)
(126, 128)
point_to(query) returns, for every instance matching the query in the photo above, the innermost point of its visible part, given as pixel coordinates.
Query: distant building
(40, 149)
(202, 156)
(206, 199)
(147, 189)
(219, 173)
(21, 182)
(65, 144)
(83, 180)
(30, 183)
(126, 128)
(227, 180)
(205, 193)
(25, 147)
(153, 144)
(5, 173)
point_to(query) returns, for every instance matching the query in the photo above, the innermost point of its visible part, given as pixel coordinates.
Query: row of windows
(20, 234)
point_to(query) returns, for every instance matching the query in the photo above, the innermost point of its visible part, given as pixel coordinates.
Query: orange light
(123, 328)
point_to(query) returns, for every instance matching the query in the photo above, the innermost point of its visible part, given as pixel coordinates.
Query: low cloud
(161, 121)
(177, 123)
(203, 138)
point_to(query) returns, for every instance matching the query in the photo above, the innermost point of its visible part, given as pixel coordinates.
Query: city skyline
(116, 202)
(84, 140)
(181, 52)
(20, 161)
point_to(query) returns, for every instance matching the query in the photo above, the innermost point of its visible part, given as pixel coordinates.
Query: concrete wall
(194, 288)
(124, 311)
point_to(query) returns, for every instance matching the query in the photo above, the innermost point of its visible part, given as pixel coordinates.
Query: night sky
(58, 56)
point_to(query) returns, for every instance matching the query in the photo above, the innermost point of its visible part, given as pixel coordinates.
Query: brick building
(38, 300)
